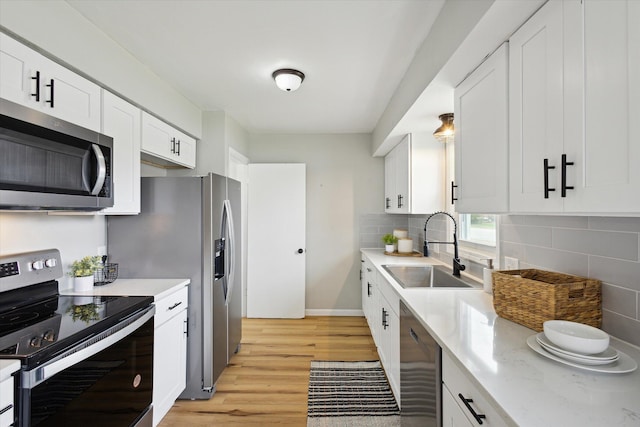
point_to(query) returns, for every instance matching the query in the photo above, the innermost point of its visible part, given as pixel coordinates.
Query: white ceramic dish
(577, 358)
(576, 337)
(621, 366)
(609, 354)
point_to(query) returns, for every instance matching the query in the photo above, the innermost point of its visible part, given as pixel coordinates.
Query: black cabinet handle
(400, 200)
(50, 101)
(563, 185)
(5, 409)
(368, 289)
(453, 198)
(387, 203)
(385, 313)
(37, 79)
(546, 178)
(178, 145)
(478, 417)
(174, 305)
(173, 145)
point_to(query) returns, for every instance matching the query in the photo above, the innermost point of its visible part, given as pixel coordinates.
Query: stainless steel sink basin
(427, 276)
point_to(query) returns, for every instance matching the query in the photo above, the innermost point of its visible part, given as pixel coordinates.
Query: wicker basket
(530, 297)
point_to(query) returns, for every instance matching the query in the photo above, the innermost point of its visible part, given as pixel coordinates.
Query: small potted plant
(389, 242)
(82, 272)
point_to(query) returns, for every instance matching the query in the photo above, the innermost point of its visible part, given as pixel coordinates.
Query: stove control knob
(35, 342)
(49, 336)
(37, 265)
(51, 262)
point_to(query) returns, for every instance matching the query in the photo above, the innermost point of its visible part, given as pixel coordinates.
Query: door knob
(300, 250)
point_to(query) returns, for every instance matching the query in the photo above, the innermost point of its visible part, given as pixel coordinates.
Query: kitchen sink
(428, 276)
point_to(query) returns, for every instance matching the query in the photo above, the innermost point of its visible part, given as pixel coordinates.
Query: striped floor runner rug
(350, 394)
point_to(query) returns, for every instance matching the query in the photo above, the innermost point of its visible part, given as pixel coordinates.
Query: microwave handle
(102, 170)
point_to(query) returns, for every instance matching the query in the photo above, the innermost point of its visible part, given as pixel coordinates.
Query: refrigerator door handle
(228, 221)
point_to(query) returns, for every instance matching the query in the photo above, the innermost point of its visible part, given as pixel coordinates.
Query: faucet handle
(489, 262)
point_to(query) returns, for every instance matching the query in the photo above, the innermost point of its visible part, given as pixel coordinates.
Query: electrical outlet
(511, 263)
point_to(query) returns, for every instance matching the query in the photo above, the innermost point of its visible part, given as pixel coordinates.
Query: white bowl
(576, 337)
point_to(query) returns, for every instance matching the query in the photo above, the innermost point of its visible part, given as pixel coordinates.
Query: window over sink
(478, 229)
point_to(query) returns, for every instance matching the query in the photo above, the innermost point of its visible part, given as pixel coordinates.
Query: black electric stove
(36, 323)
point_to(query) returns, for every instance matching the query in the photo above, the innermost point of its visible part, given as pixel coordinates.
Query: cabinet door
(30, 79)
(70, 97)
(605, 174)
(402, 159)
(185, 152)
(390, 197)
(17, 67)
(536, 110)
(481, 141)
(121, 121)
(169, 364)
(156, 137)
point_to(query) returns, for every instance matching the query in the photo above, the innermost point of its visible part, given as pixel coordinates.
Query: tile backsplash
(604, 248)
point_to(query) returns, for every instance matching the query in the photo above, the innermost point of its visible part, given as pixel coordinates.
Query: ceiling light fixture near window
(446, 131)
(288, 79)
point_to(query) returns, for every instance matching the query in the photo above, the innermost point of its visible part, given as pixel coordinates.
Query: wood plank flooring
(266, 383)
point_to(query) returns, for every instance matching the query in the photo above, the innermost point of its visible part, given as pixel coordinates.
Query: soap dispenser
(487, 276)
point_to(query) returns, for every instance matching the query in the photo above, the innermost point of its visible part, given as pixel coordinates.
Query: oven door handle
(85, 349)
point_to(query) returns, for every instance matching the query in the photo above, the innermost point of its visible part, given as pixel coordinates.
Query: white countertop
(8, 367)
(525, 387)
(156, 288)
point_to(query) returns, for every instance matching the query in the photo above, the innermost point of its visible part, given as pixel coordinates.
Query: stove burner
(13, 319)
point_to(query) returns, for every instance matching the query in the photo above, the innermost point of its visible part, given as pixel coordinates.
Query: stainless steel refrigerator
(190, 227)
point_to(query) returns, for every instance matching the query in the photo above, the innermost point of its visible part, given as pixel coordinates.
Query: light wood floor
(266, 383)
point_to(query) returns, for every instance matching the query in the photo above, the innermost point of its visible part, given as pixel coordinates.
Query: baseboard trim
(332, 312)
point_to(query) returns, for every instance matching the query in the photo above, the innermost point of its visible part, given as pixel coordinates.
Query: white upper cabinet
(165, 144)
(414, 175)
(121, 121)
(32, 80)
(605, 172)
(536, 111)
(573, 103)
(481, 139)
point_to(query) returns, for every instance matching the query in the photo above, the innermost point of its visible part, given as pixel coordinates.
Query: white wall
(60, 30)
(343, 182)
(75, 236)
(453, 24)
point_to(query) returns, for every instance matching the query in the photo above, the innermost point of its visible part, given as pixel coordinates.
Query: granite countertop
(157, 288)
(526, 388)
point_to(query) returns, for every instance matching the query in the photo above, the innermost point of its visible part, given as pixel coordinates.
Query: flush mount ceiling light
(288, 79)
(445, 132)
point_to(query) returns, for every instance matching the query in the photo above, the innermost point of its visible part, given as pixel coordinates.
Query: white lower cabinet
(170, 352)
(6, 401)
(463, 405)
(380, 304)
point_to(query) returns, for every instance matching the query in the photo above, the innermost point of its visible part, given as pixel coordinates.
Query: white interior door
(276, 232)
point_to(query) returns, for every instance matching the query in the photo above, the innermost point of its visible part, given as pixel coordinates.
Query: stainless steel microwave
(49, 164)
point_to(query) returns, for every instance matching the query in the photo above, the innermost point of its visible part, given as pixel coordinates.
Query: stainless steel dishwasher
(420, 374)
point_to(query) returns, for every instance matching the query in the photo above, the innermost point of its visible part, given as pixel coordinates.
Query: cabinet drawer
(171, 305)
(457, 383)
(6, 400)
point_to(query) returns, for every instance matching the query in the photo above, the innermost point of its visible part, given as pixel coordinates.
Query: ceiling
(220, 54)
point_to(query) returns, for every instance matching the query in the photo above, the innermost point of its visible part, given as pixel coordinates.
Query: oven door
(106, 381)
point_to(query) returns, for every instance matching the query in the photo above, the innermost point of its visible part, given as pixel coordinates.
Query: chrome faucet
(457, 265)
